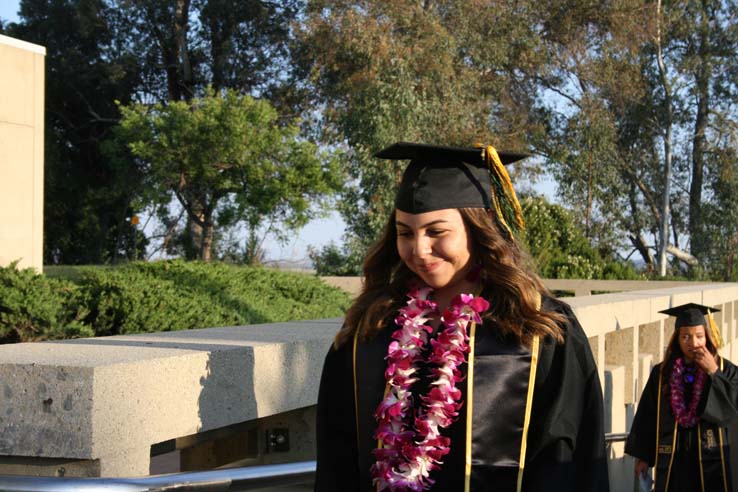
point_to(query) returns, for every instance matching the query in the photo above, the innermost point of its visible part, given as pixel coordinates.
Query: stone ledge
(91, 398)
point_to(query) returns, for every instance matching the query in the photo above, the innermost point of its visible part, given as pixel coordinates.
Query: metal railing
(615, 437)
(221, 480)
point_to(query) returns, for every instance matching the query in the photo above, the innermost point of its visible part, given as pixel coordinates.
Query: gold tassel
(499, 213)
(716, 337)
(496, 166)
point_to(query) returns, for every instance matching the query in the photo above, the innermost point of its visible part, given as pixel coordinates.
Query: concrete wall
(578, 287)
(137, 404)
(21, 152)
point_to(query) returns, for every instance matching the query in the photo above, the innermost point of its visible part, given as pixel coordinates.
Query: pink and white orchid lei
(686, 417)
(410, 442)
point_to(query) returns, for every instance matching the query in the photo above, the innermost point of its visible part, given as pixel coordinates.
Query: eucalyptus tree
(645, 84)
(438, 72)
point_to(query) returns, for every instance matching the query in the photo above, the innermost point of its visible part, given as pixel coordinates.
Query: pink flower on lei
(411, 444)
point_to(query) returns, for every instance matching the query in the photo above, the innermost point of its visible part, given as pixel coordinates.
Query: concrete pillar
(645, 363)
(651, 339)
(620, 466)
(621, 349)
(614, 403)
(668, 331)
(597, 345)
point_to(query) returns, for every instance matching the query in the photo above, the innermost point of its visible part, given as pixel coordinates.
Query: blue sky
(9, 10)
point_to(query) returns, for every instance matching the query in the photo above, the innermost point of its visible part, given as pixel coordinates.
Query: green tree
(227, 161)
(648, 81)
(102, 51)
(417, 71)
(86, 209)
(185, 46)
(559, 248)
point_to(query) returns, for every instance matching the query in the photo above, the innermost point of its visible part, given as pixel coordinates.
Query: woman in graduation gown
(455, 370)
(689, 399)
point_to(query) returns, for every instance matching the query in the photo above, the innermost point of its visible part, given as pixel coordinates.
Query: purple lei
(686, 417)
(410, 443)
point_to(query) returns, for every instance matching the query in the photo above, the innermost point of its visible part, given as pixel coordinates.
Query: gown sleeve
(589, 455)
(337, 460)
(566, 435)
(641, 442)
(721, 405)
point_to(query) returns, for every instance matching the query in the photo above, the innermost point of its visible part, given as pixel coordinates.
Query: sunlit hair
(674, 351)
(506, 272)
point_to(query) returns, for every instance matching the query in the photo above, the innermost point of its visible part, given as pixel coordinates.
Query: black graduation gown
(565, 449)
(689, 459)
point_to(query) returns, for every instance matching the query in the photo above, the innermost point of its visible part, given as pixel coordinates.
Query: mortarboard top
(690, 314)
(440, 177)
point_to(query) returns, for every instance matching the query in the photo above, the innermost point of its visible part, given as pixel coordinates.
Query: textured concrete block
(45, 410)
(110, 399)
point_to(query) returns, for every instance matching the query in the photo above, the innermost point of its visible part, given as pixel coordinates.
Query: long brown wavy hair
(674, 351)
(514, 290)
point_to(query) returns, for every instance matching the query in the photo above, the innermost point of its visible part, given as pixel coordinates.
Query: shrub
(34, 308)
(179, 295)
(160, 296)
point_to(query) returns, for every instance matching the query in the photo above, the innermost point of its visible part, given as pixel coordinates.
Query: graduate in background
(689, 399)
(499, 392)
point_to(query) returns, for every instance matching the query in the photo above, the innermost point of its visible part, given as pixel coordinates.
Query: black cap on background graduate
(692, 314)
(440, 177)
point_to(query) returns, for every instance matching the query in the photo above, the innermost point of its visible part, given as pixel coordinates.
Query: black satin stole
(500, 389)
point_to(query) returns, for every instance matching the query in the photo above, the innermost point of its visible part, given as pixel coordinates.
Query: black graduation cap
(690, 314)
(440, 177)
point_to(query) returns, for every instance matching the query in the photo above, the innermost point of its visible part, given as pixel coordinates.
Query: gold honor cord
(469, 407)
(658, 421)
(356, 390)
(528, 409)
(722, 454)
(671, 458)
(699, 456)
(722, 458)
(673, 442)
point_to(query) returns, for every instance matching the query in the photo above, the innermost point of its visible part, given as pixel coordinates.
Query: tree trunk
(206, 240)
(682, 256)
(588, 219)
(699, 139)
(176, 56)
(195, 230)
(180, 32)
(664, 226)
(643, 249)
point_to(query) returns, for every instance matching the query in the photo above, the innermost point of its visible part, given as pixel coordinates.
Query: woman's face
(691, 338)
(435, 246)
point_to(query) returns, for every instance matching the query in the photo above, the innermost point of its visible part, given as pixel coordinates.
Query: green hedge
(159, 296)
(33, 307)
